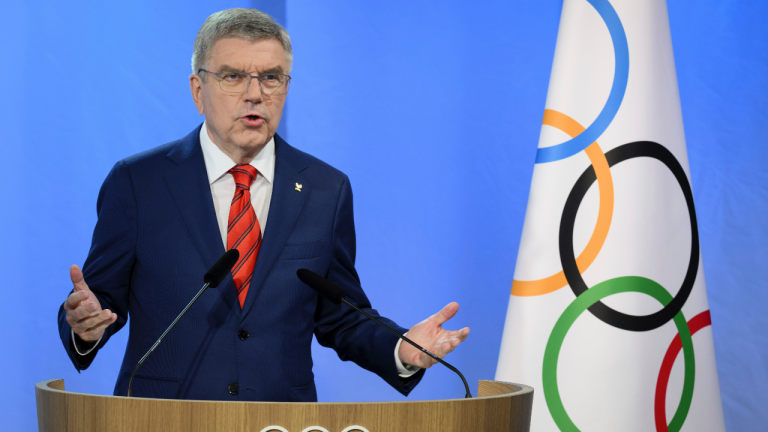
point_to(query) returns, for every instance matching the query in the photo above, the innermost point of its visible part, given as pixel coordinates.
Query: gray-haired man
(167, 214)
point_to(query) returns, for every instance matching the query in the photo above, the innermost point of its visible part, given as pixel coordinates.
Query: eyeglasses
(238, 82)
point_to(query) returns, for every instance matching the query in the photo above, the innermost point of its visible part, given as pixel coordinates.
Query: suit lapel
(284, 208)
(188, 184)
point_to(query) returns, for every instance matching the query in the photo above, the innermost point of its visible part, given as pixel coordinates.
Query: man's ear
(196, 87)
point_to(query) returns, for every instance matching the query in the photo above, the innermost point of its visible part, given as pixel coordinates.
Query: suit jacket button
(234, 389)
(242, 334)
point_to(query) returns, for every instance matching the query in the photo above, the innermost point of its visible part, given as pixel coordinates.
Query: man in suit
(166, 215)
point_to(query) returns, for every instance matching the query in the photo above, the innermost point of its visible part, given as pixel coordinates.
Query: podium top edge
(57, 386)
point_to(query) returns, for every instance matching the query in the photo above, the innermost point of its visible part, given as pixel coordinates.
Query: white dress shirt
(217, 166)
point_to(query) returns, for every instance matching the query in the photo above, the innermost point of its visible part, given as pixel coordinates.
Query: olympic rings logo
(590, 298)
(353, 428)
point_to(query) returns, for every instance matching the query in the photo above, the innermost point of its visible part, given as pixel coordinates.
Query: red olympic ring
(659, 409)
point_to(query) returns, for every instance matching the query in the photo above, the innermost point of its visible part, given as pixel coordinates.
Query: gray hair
(249, 24)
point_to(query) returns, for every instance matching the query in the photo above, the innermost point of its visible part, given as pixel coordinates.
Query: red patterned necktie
(243, 230)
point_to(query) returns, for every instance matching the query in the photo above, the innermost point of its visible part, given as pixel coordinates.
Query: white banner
(608, 317)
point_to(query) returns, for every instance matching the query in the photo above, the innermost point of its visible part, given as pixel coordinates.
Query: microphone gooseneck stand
(212, 279)
(336, 295)
(439, 360)
(160, 339)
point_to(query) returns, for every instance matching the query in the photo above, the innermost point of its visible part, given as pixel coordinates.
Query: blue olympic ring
(619, 87)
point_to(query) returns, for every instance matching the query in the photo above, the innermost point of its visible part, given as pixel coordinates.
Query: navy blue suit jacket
(157, 235)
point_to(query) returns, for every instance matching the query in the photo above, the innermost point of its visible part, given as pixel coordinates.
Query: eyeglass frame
(250, 78)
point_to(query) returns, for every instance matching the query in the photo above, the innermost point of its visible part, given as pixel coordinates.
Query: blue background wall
(432, 111)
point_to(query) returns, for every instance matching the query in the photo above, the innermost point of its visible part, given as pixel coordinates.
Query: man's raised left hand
(431, 335)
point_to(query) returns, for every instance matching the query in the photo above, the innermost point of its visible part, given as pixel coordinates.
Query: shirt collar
(218, 163)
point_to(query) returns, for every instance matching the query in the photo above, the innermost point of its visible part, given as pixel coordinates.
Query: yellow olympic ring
(605, 213)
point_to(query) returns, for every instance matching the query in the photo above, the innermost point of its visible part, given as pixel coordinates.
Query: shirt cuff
(88, 351)
(403, 370)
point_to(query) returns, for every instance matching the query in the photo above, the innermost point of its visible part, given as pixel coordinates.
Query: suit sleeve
(107, 269)
(353, 336)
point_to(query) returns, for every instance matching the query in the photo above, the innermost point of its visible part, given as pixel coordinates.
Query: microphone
(336, 295)
(212, 279)
(221, 269)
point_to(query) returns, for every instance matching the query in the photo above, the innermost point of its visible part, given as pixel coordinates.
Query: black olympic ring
(568, 260)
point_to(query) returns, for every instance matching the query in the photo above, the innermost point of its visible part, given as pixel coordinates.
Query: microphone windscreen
(323, 286)
(221, 269)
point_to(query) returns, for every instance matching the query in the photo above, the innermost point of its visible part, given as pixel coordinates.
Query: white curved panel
(355, 428)
(273, 429)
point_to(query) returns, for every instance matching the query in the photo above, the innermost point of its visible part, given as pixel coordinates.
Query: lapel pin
(298, 187)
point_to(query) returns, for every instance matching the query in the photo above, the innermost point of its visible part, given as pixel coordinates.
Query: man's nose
(253, 93)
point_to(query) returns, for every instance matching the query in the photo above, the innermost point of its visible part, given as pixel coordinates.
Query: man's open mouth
(253, 120)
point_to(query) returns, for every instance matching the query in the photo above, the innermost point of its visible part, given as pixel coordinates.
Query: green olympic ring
(582, 303)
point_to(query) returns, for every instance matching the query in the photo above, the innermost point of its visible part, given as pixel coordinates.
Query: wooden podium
(499, 406)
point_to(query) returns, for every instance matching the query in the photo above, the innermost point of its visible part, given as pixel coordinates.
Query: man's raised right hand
(84, 313)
